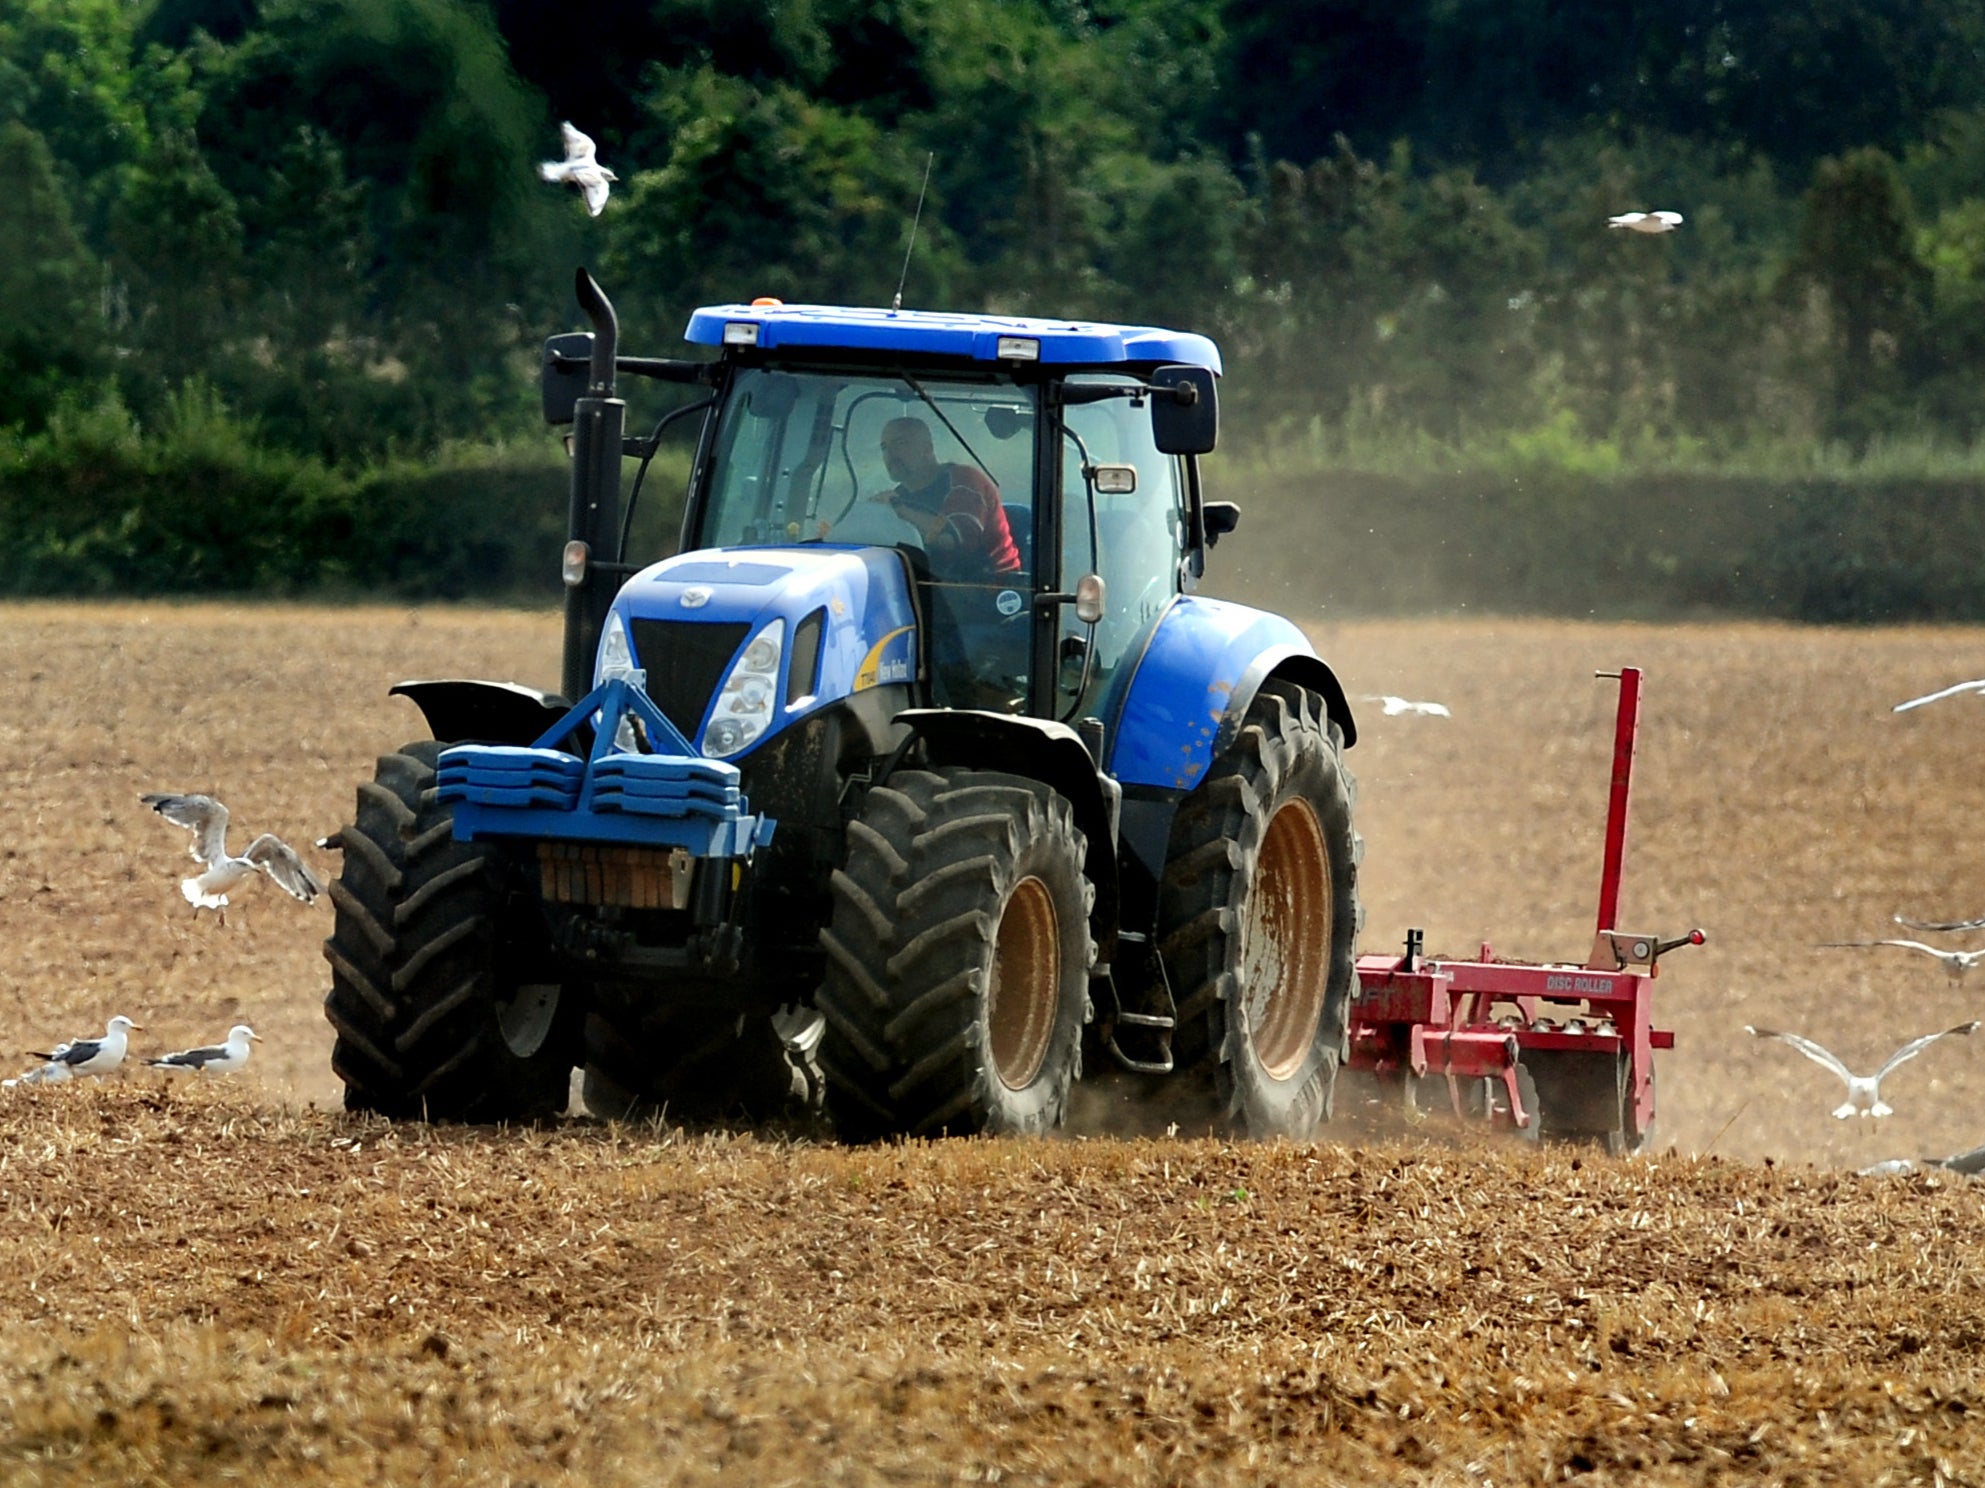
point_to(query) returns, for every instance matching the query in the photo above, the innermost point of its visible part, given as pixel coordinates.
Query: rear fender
(1192, 687)
(1043, 750)
(468, 711)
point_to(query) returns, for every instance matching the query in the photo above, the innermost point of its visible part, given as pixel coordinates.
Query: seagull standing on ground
(1939, 696)
(1956, 963)
(580, 169)
(213, 1059)
(1646, 222)
(1864, 1092)
(81, 1056)
(1394, 706)
(206, 819)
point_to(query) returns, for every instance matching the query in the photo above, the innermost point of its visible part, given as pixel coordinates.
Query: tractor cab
(1036, 478)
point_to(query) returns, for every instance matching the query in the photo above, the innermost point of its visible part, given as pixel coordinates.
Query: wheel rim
(525, 1017)
(1026, 984)
(1286, 939)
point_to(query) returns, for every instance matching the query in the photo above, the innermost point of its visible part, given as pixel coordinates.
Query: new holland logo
(695, 597)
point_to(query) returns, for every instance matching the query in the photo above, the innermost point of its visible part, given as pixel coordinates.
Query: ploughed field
(201, 1281)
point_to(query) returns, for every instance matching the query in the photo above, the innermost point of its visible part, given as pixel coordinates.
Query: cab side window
(1138, 536)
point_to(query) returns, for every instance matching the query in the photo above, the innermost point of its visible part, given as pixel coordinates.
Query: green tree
(50, 323)
(765, 191)
(1952, 350)
(1857, 251)
(69, 71)
(1669, 336)
(177, 240)
(415, 102)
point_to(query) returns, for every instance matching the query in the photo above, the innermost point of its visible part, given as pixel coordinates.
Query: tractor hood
(736, 644)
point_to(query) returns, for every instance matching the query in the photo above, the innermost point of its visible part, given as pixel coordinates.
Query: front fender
(1191, 689)
(468, 711)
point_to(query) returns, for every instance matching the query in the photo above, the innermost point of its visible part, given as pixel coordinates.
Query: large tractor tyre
(1259, 918)
(700, 1064)
(434, 1014)
(958, 959)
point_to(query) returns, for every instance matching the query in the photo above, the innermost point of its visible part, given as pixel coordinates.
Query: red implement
(1562, 1049)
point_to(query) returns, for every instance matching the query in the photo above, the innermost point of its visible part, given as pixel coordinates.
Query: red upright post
(1625, 726)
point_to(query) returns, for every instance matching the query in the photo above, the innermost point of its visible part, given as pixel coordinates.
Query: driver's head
(907, 452)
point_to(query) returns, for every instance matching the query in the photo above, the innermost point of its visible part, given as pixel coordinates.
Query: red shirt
(969, 503)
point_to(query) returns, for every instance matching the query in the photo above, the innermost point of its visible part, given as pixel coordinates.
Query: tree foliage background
(315, 225)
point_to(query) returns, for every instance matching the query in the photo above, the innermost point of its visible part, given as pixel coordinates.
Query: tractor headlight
(744, 701)
(616, 660)
(616, 656)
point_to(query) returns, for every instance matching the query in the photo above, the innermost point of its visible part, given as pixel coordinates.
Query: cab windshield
(804, 456)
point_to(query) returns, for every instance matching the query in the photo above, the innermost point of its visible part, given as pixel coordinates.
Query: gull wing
(578, 146)
(203, 816)
(1938, 925)
(192, 1058)
(1806, 1047)
(278, 859)
(1937, 697)
(79, 1052)
(1907, 945)
(1916, 1046)
(593, 183)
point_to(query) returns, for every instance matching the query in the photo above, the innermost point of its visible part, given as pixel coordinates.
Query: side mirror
(1185, 410)
(568, 361)
(1003, 422)
(1221, 517)
(773, 396)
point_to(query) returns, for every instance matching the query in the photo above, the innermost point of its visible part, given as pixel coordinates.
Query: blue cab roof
(940, 333)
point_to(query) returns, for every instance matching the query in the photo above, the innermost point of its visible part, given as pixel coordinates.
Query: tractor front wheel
(437, 1013)
(958, 959)
(1259, 917)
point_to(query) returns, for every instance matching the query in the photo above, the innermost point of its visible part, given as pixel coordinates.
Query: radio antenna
(910, 247)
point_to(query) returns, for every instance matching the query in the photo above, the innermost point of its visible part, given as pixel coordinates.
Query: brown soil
(225, 1279)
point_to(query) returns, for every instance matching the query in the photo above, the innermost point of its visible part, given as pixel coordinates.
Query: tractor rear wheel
(698, 1064)
(958, 959)
(1259, 917)
(437, 1012)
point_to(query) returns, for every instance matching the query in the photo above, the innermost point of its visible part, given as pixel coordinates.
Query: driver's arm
(928, 526)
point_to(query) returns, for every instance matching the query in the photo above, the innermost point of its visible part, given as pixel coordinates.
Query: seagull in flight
(206, 819)
(1394, 706)
(580, 169)
(1647, 222)
(213, 1059)
(1940, 695)
(98, 1056)
(1941, 926)
(1956, 963)
(1864, 1092)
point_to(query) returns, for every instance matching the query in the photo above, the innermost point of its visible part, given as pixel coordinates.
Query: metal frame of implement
(1474, 1020)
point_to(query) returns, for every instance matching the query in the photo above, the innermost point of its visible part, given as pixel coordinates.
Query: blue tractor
(918, 781)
